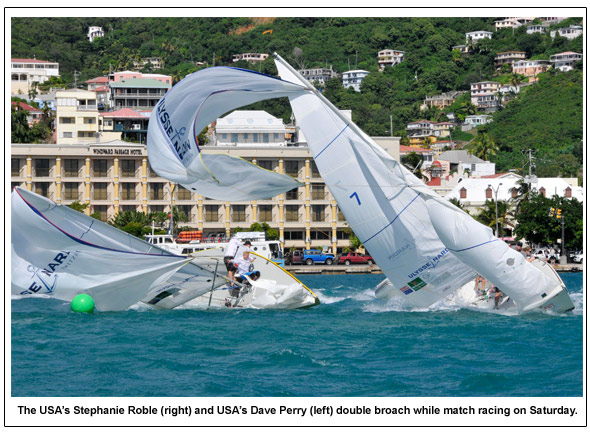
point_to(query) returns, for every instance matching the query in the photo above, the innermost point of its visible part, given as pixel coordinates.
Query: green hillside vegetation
(430, 66)
(546, 117)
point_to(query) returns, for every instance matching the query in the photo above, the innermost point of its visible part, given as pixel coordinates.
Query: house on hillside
(250, 57)
(34, 115)
(389, 57)
(320, 75)
(565, 61)
(484, 95)
(353, 79)
(461, 161)
(531, 69)
(476, 36)
(508, 57)
(95, 32)
(567, 32)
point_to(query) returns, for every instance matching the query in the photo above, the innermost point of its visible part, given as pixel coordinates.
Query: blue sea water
(350, 345)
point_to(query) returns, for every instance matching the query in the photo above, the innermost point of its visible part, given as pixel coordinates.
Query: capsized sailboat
(61, 253)
(427, 247)
(186, 109)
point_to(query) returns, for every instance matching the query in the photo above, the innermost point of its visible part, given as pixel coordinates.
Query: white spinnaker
(187, 109)
(60, 252)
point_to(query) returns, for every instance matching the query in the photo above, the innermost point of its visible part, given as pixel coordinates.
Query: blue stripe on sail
(90, 244)
(473, 246)
(318, 155)
(392, 221)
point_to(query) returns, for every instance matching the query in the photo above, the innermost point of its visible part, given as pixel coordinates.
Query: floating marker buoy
(83, 303)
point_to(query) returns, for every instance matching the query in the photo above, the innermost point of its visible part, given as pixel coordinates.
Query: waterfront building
(476, 36)
(484, 95)
(250, 57)
(531, 69)
(95, 32)
(320, 75)
(23, 72)
(508, 57)
(567, 32)
(565, 61)
(353, 79)
(390, 58)
(442, 100)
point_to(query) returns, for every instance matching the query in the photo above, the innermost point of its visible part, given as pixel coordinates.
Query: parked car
(348, 258)
(294, 257)
(316, 256)
(578, 257)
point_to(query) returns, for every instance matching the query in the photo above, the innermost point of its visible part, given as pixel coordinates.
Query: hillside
(430, 65)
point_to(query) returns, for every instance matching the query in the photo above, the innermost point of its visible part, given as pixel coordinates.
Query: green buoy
(83, 303)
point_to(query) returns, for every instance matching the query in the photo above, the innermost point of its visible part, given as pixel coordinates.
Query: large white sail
(192, 104)
(394, 214)
(61, 253)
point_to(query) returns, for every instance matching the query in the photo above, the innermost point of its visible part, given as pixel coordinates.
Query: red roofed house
(34, 114)
(23, 72)
(100, 85)
(131, 123)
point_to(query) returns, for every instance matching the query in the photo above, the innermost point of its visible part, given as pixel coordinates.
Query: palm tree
(487, 215)
(483, 146)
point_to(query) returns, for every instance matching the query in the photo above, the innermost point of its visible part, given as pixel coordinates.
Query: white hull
(557, 301)
(276, 289)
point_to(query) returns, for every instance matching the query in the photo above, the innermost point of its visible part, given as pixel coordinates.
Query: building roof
(139, 83)
(459, 156)
(26, 107)
(98, 80)
(124, 113)
(32, 61)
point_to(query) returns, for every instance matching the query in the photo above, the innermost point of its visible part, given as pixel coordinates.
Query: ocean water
(350, 345)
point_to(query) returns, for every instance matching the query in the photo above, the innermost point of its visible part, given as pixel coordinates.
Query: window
(152, 172)
(292, 194)
(127, 168)
(156, 191)
(293, 235)
(463, 193)
(292, 213)
(568, 192)
(265, 138)
(292, 168)
(238, 213)
(15, 167)
(70, 191)
(100, 168)
(489, 193)
(183, 193)
(224, 136)
(66, 120)
(314, 170)
(42, 188)
(318, 213)
(211, 214)
(264, 213)
(317, 191)
(100, 191)
(318, 234)
(185, 209)
(234, 137)
(71, 167)
(246, 137)
(101, 210)
(542, 191)
(340, 216)
(254, 137)
(127, 191)
(266, 164)
(42, 167)
(156, 208)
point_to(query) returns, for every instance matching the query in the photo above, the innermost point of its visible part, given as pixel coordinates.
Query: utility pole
(391, 125)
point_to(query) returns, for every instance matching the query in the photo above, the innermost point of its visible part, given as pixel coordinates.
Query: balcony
(88, 107)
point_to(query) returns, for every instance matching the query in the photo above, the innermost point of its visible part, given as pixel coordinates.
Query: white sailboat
(426, 247)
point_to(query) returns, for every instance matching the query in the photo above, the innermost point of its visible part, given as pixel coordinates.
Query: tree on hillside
(483, 146)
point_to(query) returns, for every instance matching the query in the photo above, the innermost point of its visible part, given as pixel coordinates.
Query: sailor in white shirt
(233, 246)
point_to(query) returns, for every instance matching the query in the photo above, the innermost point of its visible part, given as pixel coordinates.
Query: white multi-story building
(320, 75)
(474, 37)
(250, 57)
(23, 72)
(95, 32)
(484, 95)
(565, 61)
(77, 118)
(389, 57)
(354, 78)
(567, 32)
(251, 128)
(508, 57)
(536, 28)
(461, 161)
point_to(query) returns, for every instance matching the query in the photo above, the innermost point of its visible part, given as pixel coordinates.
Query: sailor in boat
(245, 268)
(480, 287)
(497, 295)
(233, 246)
(528, 255)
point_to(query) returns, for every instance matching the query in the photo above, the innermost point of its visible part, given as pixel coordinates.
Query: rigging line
(392, 221)
(88, 229)
(331, 142)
